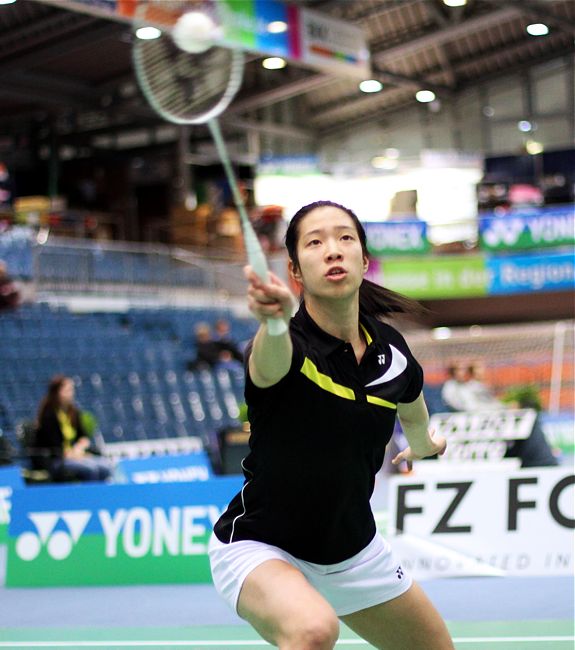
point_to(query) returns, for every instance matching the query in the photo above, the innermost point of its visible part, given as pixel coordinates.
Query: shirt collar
(324, 342)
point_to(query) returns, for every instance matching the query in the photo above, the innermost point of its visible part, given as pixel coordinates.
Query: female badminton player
(297, 549)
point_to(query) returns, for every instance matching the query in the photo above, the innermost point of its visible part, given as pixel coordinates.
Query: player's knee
(319, 633)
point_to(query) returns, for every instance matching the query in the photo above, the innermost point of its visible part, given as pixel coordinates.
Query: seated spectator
(535, 450)
(479, 395)
(211, 351)
(61, 438)
(228, 349)
(9, 292)
(207, 350)
(454, 392)
(466, 390)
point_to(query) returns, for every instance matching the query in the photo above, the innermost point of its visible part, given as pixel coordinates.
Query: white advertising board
(501, 522)
(333, 44)
(481, 435)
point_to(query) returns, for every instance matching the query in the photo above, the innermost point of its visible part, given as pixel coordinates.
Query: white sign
(333, 44)
(482, 435)
(492, 522)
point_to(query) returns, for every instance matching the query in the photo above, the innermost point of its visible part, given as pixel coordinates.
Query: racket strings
(183, 85)
(186, 88)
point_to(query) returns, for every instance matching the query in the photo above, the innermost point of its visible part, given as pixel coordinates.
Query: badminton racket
(189, 80)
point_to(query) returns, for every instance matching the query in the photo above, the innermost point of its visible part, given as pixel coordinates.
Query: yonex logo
(503, 231)
(399, 572)
(381, 359)
(59, 543)
(397, 365)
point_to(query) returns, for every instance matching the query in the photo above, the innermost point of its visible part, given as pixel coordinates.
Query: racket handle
(256, 257)
(255, 254)
(257, 260)
(276, 326)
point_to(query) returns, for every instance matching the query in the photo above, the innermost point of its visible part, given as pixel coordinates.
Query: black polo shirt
(317, 440)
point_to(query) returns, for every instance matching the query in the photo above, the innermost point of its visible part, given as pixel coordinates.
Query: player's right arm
(271, 356)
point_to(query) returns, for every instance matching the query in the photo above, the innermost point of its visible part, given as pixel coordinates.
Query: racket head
(195, 88)
(183, 87)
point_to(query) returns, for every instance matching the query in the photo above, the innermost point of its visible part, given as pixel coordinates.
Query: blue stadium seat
(129, 370)
(434, 401)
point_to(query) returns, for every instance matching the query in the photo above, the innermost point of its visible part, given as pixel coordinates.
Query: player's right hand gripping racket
(194, 87)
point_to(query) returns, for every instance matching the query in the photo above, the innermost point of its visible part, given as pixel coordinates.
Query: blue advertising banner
(528, 273)
(529, 228)
(296, 165)
(10, 480)
(269, 13)
(115, 534)
(11, 477)
(165, 469)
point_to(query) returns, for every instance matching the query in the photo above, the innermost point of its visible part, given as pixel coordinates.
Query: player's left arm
(414, 419)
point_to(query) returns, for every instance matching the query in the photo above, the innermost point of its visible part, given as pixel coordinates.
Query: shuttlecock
(194, 32)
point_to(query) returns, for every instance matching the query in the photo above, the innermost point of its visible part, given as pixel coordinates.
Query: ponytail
(377, 301)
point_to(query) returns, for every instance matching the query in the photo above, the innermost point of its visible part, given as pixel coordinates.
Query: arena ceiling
(73, 72)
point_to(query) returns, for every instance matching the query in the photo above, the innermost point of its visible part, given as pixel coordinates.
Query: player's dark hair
(374, 299)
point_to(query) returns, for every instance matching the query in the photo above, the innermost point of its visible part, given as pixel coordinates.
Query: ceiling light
(274, 63)
(537, 29)
(533, 148)
(455, 3)
(425, 96)
(524, 126)
(148, 33)
(392, 152)
(370, 86)
(277, 27)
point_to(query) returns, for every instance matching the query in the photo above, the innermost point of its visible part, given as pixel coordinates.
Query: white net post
(557, 367)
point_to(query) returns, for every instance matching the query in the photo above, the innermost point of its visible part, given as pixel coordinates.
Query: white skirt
(370, 577)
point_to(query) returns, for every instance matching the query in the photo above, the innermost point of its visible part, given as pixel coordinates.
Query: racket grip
(276, 326)
(257, 260)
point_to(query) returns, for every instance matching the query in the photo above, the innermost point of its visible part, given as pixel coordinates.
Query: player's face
(331, 259)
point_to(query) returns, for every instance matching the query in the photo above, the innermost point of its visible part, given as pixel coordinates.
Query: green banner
(407, 237)
(240, 23)
(451, 277)
(94, 560)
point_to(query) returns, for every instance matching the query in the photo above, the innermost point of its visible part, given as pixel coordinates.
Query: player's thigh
(278, 601)
(408, 621)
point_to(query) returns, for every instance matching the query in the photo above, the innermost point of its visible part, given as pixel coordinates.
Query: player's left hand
(437, 446)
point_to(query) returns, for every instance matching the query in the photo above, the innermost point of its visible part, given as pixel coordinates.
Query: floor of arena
(482, 613)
